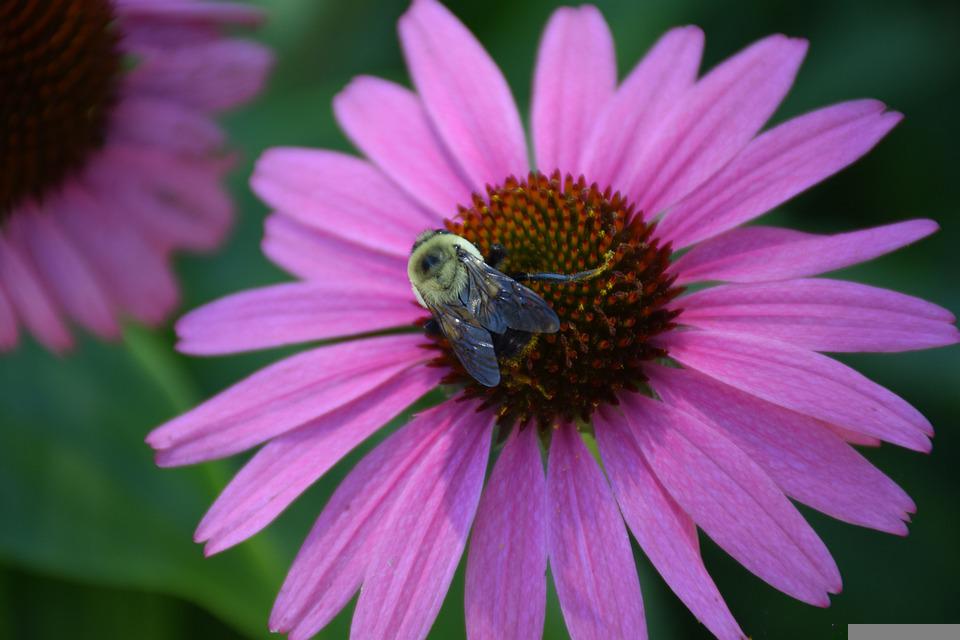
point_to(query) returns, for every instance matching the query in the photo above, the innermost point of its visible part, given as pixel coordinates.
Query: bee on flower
(712, 407)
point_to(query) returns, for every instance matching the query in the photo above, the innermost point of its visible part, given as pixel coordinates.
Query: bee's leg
(569, 277)
(510, 343)
(497, 255)
(432, 328)
(558, 277)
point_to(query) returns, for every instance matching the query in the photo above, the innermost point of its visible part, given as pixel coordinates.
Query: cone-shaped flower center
(567, 226)
(59, 65)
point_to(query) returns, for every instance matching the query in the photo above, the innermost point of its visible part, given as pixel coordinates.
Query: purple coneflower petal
(210, 76)
(765, 254)
(631, 119)
(733, 500)
(282, 397)
(590, 556)
(665, 532)
(135, 270)
(804, 381)
(424, 535)
(465, 93)
(387, 122)
(333, 560)
(822, 315)
(217, 12)
(576, 74)
(716, 119)
(34, 305)
(776, 166)
(8, 321)
(163, 123)
(290, 463)
(65, 271)
(315, 255)
(853, 437)
(340, 195)
(807, 460)
(142, 33)
(295, 312)
(506, 584)
(178, 201)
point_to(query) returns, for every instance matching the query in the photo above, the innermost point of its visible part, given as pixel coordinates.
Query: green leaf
(82, 498)
(35, 606)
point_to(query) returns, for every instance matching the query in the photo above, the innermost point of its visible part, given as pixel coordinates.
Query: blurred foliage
(96, 542)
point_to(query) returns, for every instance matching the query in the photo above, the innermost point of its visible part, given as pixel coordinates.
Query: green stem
(158, 360)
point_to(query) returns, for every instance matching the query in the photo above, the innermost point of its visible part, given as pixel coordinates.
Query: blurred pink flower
(111, 159)
(745, 413)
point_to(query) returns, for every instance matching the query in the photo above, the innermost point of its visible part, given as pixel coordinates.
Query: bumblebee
(481, 311)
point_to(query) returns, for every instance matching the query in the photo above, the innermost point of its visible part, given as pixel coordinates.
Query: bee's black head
(426, 235)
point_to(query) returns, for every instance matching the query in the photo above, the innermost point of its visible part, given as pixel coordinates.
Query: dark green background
(95, 542)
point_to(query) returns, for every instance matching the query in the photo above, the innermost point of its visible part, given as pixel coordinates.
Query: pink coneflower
(109, 158)
(709, 410)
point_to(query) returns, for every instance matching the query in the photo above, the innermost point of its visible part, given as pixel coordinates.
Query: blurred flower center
(59, 66)
(549, 224)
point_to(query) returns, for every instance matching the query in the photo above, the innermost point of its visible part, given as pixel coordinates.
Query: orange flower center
(549, 224)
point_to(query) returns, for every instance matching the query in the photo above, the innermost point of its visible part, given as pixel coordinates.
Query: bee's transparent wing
(471, 342)
(499, 302)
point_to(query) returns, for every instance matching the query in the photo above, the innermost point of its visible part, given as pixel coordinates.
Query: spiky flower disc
(565, 225)
(59, 71)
